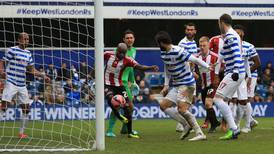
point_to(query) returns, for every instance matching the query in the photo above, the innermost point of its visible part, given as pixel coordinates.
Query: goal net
(61, 41)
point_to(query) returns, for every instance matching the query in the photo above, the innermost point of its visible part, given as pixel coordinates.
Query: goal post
(67, 113)
(99, 75)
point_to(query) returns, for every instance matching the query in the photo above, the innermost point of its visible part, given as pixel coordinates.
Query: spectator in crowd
(48, 95)
(257, 98)
(74, 75)
(139, 76)
(144, 93)
(63, 73)
(266, 78)
(83, 72)
(73, 97)
(269, 99)
(51, 72)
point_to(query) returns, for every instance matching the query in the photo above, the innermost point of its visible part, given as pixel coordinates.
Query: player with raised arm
(116, 63)
(17, 61)
(128, 76)
(208, 91)
(179, 78)
(234, 73)
(254, 61)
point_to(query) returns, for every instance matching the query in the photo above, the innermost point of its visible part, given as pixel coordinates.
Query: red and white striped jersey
(207, 76)
(114, 68)
(216, 44)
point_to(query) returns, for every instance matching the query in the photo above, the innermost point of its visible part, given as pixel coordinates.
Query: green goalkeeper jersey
(128, 74)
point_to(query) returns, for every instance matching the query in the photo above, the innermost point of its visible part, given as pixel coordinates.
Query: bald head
(23, 40)
(122, 46)
(121, 50)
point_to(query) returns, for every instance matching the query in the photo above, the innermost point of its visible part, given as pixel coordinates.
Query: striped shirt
(114, 68)
(17, 61)
(190, 46)
(250, 52)
(207, 76)
(232, 53)
(177, 66)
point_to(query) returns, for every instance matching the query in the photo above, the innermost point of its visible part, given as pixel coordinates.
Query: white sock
(24, 120)
(174, 114)
(241, 110)
(192, 122)
(226, 112)
(233, 108)
(248, 116)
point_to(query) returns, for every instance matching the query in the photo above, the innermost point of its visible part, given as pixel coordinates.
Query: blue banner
(141, 111)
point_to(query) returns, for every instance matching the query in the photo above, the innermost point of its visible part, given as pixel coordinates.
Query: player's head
(204, 45)
(163, 40)
(129, 38)
(190, 30)
(225, 21)
(23, 40)
(240, 29)
(121, 50)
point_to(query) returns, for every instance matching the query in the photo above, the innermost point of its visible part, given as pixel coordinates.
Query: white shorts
(181, 94)
(228, 87)
(251, 90)
(241, 92)
(10, 90)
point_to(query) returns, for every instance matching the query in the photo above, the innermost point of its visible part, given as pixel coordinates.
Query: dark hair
(240, 27)
(163, 37)
(128, 31)
(226, 19)
(190, 24)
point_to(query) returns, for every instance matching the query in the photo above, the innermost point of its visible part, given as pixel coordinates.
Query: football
(118, 101)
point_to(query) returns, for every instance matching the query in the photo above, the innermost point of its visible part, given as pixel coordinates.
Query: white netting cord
(62, 110)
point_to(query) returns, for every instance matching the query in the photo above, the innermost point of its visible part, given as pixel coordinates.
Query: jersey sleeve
(107, 54)
(30, 62)
(252, 52)
(183, 55)
(235, 51)
(8, 55)
(129, 62)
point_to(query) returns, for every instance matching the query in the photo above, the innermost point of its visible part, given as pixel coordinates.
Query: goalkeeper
(128, 76)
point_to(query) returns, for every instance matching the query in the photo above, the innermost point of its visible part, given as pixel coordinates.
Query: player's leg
(8, 93)
(227, 88)
(248, 114)
(211, 115)
(111, 123)
(167, 105)
(204, 94)
(242, 100)
(184, 100)
(23, 99)
(110, 91)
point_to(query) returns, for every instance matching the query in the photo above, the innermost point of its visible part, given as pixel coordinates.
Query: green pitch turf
(159, 137)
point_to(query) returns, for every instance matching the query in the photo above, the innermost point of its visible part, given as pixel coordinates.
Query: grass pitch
(157, 137)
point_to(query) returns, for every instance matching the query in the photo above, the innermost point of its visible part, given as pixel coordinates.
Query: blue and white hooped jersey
(177, 66)
(232, 53)
(190, 46)
(250, 52)
(17, 61)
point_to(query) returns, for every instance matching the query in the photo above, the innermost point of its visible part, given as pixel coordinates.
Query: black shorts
(113, 90)
(207, 92)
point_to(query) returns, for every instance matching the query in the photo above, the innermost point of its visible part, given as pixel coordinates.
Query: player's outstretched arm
(2, 69)
(199, 62)
(147, 68)
(32, 70)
